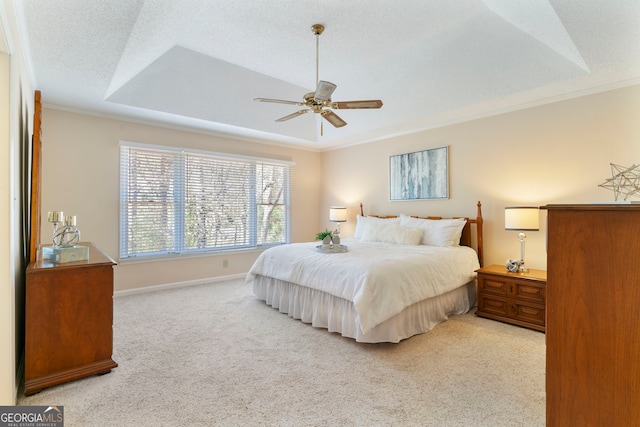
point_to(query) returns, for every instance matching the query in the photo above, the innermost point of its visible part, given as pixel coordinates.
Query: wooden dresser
(69, 320)
(516, 298)
(593, 315)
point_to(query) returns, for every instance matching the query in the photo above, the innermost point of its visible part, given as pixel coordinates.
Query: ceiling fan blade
(291, 116)
(279, 101)
(333, 118)
(324, 90)
(345, 105)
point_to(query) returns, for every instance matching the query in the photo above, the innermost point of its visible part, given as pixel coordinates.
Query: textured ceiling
(200, 63)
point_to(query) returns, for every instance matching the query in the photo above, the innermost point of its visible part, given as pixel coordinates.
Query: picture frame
(419, 175)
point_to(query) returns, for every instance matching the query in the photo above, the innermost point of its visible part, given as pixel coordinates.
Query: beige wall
(7, 315)
(556, 153)
(16, 110)
(80, 175)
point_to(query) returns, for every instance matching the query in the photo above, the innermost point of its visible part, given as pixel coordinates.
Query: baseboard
(146, 289)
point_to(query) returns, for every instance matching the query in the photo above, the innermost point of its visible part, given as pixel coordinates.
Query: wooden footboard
(467, 237)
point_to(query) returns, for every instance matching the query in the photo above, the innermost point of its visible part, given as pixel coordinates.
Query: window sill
(176, 257)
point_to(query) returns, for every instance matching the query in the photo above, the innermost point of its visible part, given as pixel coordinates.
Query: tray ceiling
(198, 64)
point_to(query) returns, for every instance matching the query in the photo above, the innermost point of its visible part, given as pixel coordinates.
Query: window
(177, 201)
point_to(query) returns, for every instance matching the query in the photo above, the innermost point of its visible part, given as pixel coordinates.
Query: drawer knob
(510, 288)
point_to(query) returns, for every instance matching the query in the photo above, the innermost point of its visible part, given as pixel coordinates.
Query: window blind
(176, 201)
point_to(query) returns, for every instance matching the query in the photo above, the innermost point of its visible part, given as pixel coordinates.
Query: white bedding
(370, 273)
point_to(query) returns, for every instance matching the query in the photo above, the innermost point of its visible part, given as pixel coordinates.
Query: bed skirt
(335, 314)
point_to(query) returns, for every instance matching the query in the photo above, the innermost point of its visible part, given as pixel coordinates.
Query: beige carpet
(213, 355)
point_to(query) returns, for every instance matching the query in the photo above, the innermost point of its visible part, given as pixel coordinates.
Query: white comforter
(381, 279)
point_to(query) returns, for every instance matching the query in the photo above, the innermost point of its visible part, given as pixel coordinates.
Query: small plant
(321, 235)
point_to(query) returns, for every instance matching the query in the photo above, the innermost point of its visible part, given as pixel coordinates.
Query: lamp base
(516, 266)
(521, 267)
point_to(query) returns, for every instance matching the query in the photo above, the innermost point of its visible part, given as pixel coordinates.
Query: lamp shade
(337, 214)
(521, 218)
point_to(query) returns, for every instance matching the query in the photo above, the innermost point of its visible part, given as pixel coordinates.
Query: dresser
(593, 315)
(516, 298)
(68, 320)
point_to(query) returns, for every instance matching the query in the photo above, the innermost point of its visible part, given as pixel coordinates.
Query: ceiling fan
(320, 101)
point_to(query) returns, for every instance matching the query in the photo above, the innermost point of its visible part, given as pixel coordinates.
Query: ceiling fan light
(324, 90)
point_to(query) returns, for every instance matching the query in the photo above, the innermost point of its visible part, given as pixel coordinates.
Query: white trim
(551, 99)
(20, 40)
(176, 285)
(168, 122)
(6, 42)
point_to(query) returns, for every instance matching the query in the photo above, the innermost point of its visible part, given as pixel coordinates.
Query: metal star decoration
(625, 181)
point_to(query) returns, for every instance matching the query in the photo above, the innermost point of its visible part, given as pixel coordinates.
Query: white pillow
(363, 221)
(391, 233)
(436, 232)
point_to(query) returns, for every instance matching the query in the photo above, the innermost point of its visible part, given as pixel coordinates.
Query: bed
(400, 276)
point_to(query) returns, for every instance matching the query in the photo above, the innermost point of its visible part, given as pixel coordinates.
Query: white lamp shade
(337, 214)
(522, 218)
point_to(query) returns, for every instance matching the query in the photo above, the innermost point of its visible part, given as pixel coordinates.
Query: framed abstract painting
(420, 175)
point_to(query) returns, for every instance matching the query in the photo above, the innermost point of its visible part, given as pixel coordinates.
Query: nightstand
(516, 298)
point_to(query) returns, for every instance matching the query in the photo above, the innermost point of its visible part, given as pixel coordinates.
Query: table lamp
(337, 214)
(521, 218)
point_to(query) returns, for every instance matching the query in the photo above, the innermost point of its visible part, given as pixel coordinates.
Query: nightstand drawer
(492, 305)
(521, 289)
(527, 313)
(517, 298)
(493, 285)
(511, 311)
(529, 292)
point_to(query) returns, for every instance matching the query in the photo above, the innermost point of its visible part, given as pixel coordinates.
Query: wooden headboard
(467, 238)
